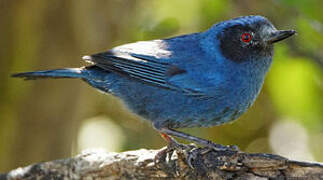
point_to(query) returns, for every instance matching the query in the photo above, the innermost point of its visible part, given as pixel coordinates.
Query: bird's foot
(190, 152)
(193, 153)
(166, 154)
(187, 152)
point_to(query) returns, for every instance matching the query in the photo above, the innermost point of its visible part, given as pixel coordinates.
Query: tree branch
(140, 164)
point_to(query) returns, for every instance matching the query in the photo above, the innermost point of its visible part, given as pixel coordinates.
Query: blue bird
(195, 80)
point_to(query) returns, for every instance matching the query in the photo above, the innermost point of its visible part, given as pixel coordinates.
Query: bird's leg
(200, 141)
(171, 141)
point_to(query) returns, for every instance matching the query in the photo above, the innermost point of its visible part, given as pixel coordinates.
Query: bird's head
(248, 38)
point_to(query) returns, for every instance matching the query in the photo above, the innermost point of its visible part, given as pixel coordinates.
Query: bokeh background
(51, 119)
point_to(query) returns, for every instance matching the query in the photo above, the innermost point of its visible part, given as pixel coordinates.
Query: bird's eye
(246, 37)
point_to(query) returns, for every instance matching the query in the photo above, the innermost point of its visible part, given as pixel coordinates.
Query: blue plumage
(200, 79)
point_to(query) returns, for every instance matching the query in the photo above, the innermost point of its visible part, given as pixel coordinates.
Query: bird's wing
(152, 69)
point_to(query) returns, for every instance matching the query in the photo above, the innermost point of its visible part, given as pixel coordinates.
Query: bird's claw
(191, 156)
(165, 155)
(162, 155)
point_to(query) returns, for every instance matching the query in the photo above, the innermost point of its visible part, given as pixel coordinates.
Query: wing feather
(146, 69)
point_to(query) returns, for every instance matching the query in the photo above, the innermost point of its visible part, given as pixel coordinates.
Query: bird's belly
(171, 108)
(178, 111)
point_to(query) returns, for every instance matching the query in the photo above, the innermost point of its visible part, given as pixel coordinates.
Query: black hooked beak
(280, 35)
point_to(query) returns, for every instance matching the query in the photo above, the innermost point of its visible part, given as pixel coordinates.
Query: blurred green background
(51, 119)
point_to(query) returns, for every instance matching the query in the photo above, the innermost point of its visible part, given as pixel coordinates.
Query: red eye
(246, 37)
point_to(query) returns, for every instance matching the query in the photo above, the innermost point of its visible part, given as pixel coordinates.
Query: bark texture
(142, 164)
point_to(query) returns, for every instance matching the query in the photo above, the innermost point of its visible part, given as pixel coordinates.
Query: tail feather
(56, 73)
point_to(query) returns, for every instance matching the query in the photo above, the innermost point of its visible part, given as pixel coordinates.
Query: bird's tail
(55, 73)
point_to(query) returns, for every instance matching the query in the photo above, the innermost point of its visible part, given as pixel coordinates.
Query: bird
(202, 79)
